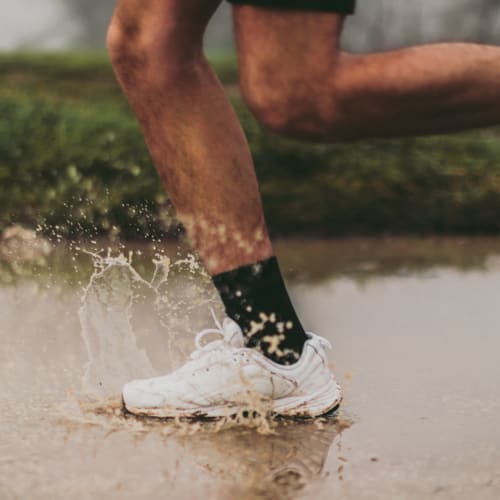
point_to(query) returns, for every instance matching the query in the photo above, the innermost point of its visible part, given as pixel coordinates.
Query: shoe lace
(225, 333)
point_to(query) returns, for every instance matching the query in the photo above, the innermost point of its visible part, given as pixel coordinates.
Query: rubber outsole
(224, 411)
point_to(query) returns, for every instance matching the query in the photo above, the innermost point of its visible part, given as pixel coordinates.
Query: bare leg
(190, 128)
(298, 81)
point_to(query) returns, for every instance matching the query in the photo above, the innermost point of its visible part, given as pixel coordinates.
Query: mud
(416, 347)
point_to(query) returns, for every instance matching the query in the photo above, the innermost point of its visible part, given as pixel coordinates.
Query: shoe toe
(139, 394)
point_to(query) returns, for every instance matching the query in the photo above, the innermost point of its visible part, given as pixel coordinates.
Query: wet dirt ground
(415, 328)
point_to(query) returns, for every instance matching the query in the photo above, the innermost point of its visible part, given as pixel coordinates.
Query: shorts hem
(337, 6)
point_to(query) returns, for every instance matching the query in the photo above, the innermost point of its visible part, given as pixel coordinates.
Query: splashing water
(135, 327)
(122, 313)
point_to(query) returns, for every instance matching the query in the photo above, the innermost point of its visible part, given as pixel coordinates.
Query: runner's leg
(299, 83)
(203, 159)
(191, 130)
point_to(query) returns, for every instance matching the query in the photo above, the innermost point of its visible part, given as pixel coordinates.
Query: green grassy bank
(71, 155)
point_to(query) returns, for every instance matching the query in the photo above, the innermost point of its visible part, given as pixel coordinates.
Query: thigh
(293, 43)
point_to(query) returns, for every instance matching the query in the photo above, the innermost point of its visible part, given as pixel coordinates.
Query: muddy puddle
(415, 331)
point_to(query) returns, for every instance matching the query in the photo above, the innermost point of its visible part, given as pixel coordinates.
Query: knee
(271, 107)
(126, 47)
(295, 104)
(142, 49)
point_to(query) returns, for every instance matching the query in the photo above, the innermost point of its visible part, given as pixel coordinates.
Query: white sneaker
(224, 378)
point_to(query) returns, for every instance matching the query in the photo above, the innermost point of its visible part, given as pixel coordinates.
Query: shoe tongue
(232, 333)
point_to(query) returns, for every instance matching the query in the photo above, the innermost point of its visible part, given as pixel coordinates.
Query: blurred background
(378, 24)
(72, 157)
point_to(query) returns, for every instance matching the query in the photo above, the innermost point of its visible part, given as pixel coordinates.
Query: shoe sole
(317, 406)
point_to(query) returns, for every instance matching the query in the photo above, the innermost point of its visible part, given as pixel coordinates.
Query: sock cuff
(255, 296)
(248, 272)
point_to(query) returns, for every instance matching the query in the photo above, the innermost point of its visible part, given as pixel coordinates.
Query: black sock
(255, 297)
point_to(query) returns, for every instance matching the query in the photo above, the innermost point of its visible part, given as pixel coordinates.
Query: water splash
(122, 313)
(105, 317)
(134, 327)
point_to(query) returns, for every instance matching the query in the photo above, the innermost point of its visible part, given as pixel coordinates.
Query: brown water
(415, 329)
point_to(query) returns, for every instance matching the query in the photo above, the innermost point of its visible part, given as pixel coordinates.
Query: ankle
(256, 298)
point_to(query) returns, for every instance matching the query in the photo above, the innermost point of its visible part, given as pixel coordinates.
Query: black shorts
(339, 6)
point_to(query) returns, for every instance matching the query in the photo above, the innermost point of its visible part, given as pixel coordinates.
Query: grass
(72, 156)
(80, 75)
